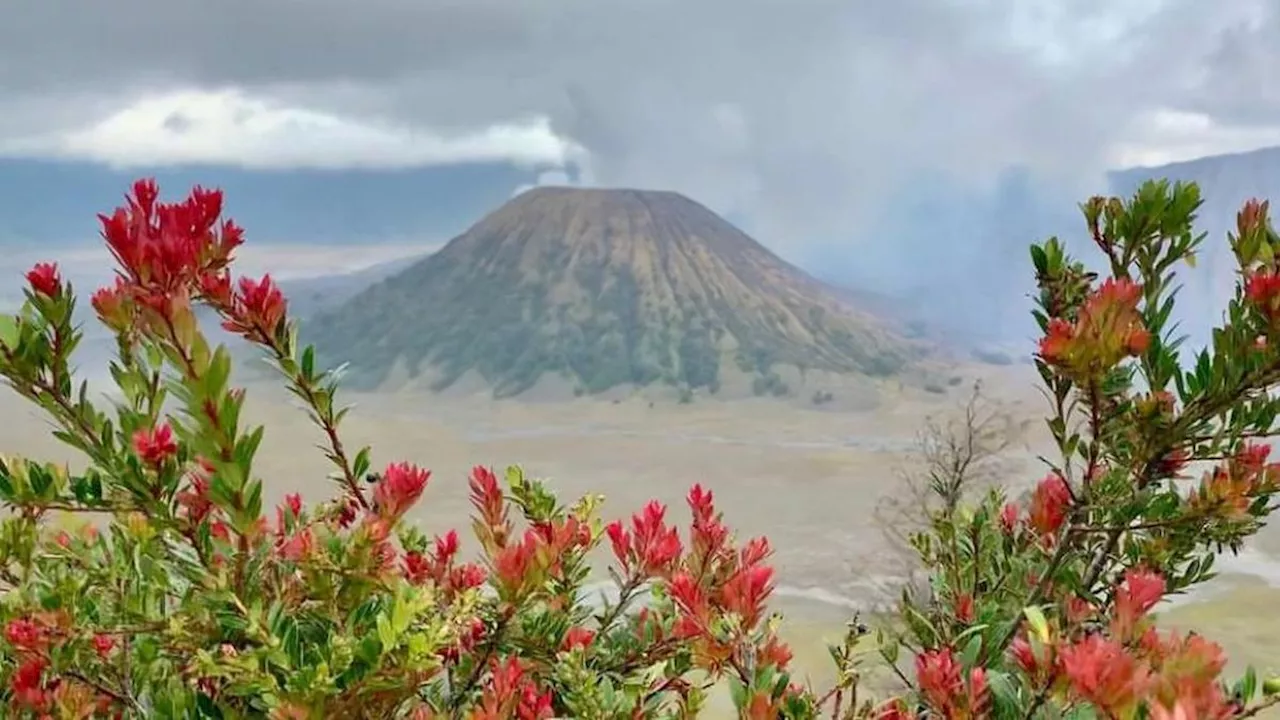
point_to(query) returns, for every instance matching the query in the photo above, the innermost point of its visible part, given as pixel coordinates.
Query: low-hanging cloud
(230, 127)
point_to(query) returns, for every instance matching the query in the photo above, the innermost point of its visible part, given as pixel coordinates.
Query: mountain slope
(603, 288)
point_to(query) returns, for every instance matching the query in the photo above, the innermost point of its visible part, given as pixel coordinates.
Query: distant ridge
(599, 289)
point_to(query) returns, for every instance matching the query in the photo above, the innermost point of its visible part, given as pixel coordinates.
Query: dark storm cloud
(1239, 79)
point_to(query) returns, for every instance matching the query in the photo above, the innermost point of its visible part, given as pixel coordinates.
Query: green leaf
(10, 333)
(386, 635)
(1248, 684)
(972, 649)
(738, 692)
(1039, 624)
(1039, 259)
(360, 466)
(308, 362)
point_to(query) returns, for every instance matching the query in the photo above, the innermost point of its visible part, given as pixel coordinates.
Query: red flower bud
(155, 445)
(1102, 671)
(27, 687)
(468, 576)
(103, 644)
(44, 279)
(1049, 505)
(1009, 518)
(447, 547)
(1140, 591)
(651, 547)
(257, 309)
(299, 547)
(25, 634)
(400, 487)
(577, 637)
(1057, 340)
(113, 305)
(417, 569)
(938, 677)
(1024, 656)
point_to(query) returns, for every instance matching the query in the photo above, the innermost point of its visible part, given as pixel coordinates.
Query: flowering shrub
(187, 600)
(1043, 608)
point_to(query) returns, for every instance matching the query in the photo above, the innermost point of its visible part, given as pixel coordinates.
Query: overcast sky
(797, 115)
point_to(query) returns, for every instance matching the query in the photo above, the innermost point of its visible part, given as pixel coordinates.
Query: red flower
(1049, 505)
(1102, 672)
(707, 534)
(465, 577)
(507, 691)
(964, 608)
(1024, 655)
(1188, 668)
(447, 547)
(27, 685)
(113, 305)
(44, 279)
(746, 591)
(218, 530)
(1262, 288)
(417, 568)
(1057, 340)
(534, 705)
(293, 501)
(515, 563)
(103, 644)
(775, 653)
(1108, 328)
(1253, 456)
(1137, 341)
(257, 309)
(620, 539)
(299, 547)
(1009, 518)
(577, 637)
(1139, 592)
(1172, 463)
(938, 675)
(978, 699)
(164, 247)
(195, 500)
(651, 547)
(489, 502)
(155, 445)
(288, 512)
(687, 593)
(401, 486)
(1078, 610)
(347, 513)
(215, 287)
(25, 634)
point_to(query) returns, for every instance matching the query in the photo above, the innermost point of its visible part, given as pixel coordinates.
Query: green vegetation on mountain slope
(604, 288)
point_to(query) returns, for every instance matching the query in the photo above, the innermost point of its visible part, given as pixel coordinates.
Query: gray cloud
(801, 116)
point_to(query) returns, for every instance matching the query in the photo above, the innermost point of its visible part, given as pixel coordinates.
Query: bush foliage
(183, 597)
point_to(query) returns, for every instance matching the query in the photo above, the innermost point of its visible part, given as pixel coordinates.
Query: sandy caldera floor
(808, 479)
